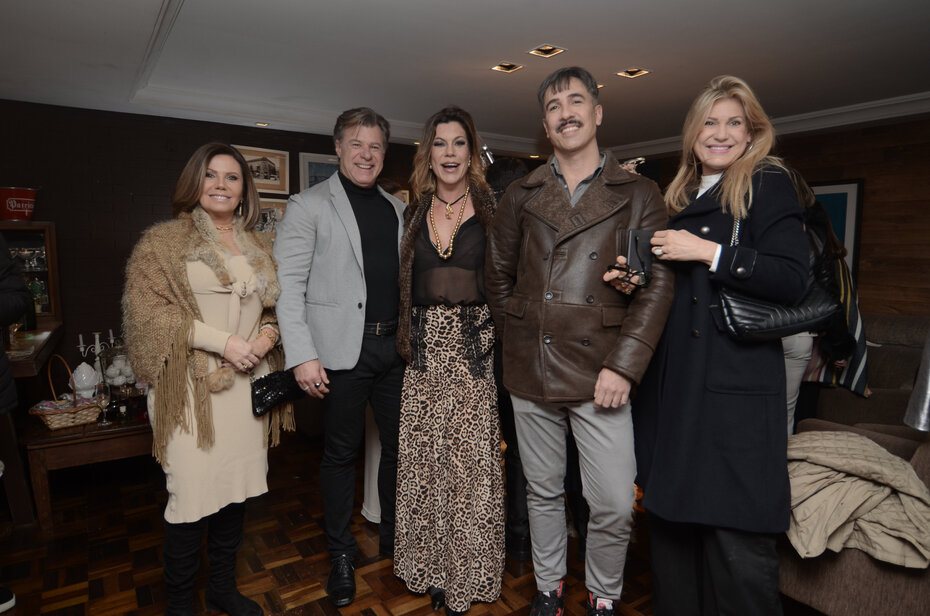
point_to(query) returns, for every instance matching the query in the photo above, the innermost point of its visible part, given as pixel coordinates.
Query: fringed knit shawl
(159, 310)
(482, 202)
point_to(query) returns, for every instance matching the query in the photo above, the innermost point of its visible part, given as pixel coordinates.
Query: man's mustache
(565, 123)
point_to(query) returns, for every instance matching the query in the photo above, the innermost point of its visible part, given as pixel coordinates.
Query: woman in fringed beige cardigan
(199, 320)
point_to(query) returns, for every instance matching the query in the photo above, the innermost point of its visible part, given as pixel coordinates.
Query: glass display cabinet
(33, 244)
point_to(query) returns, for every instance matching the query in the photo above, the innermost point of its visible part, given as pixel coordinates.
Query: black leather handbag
(273, 389)
(749, 318)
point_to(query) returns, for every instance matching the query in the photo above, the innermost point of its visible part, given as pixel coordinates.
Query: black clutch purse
(273, 389)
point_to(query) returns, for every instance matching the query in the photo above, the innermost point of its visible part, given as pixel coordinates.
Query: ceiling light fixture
(507, 67)
(262, 124)
(534, 155)
(599, 86)
(633, 72)
(546, 51)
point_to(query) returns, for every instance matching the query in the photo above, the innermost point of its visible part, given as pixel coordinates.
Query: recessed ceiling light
(534, 155)
(599, 86)
(416, 143)
(262, 124)
(507, 67)
(633, 72)
(546, 51)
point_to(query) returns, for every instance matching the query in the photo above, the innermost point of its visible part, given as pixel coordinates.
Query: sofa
(852, 583)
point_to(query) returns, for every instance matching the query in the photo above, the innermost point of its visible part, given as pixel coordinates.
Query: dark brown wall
(893, 162)
(105, 177)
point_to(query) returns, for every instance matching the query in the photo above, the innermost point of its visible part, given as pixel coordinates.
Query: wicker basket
(66, 413)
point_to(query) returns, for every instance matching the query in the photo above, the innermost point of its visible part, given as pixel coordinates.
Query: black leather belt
(385, 328)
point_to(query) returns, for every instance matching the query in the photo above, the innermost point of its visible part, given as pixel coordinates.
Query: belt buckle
(378, 329)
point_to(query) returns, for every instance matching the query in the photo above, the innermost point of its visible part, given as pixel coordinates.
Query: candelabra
(98, 347)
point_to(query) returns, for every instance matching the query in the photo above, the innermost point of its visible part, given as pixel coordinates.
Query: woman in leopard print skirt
(449, 539)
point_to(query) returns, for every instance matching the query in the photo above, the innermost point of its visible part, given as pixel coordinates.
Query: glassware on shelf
(102, 398)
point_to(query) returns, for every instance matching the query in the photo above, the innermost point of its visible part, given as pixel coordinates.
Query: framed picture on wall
(268, 167)
(843, 201)
(272, 211)
(315, 168)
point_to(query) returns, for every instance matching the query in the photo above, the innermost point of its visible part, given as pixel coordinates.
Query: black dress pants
(518, 520)
(705, 571)
(377, 378)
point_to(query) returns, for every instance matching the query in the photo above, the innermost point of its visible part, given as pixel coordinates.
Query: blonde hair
(422, 179)
(735, 187)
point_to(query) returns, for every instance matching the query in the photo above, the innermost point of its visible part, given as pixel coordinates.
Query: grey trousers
(608, 467)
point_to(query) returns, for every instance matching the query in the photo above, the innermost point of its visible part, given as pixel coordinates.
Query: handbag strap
(734, 237)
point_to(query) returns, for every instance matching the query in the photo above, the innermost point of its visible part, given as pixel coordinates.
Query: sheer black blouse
(456, 281)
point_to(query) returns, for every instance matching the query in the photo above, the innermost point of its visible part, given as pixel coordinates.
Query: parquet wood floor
(103, 554)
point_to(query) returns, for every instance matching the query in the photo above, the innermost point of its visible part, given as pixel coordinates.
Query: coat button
(589, 299)
(695, 333)
(705, 230)
(547, 339)
(585, 342)
(548, 295)
(593, 256)
(740, 271)
(360, 304)
(693, 300)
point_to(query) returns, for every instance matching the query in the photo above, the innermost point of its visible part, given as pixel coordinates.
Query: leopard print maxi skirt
(450, 491)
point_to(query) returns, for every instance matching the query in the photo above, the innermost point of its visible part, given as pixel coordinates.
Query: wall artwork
(268, 167)
(272, 211)
(843, 201)
(315, 168)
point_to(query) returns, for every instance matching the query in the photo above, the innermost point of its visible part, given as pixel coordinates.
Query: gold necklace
(224, 227)
(445, 254)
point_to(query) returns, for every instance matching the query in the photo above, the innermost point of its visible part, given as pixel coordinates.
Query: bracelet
(273, 335)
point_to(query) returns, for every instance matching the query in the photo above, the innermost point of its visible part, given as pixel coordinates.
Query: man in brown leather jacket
(573, 346)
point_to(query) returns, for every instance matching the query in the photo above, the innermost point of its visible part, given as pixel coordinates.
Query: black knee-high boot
(224, 536)
(181, 562)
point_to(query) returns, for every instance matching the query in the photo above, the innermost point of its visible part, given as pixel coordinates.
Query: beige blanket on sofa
(849, 492)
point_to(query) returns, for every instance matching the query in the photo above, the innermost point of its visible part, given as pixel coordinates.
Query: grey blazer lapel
(343, 209)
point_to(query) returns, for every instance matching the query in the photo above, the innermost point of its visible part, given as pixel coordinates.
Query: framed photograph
(315, 168)
(272, 211)
(843, 201)
(268, 168)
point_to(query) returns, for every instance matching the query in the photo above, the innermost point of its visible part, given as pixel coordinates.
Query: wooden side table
(49, 450)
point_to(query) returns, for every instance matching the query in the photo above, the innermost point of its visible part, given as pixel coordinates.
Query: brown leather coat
(559, 321)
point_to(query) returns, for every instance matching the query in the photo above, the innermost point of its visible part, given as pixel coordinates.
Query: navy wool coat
(710, 413)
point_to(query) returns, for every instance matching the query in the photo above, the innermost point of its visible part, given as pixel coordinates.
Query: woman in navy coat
(710, 414)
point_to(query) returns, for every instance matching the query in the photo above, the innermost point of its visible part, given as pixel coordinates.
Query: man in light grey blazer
(337, 250)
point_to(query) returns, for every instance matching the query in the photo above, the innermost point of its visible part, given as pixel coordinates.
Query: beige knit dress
(202, 482)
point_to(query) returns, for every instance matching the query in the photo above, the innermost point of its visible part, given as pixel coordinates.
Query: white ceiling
(297, 63)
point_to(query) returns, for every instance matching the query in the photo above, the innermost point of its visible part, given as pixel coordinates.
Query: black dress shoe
(438, 597)
(451, 612)
(340, 586)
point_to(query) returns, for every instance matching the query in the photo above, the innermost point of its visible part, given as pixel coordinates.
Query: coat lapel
(340, 201)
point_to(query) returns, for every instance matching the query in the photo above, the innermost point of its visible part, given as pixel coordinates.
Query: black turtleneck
(377, 224)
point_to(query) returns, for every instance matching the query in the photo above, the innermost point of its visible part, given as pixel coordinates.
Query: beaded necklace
(445, 254)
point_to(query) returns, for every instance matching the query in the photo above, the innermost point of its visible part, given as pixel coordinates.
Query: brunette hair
(422, 179)
(560, 79)
(361, 116)
(736, 185)
(190, 185)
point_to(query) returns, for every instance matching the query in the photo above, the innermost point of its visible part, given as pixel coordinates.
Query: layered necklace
(449, 204)
(445, 254)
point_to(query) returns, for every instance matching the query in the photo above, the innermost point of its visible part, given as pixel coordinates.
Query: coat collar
(598, 202)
